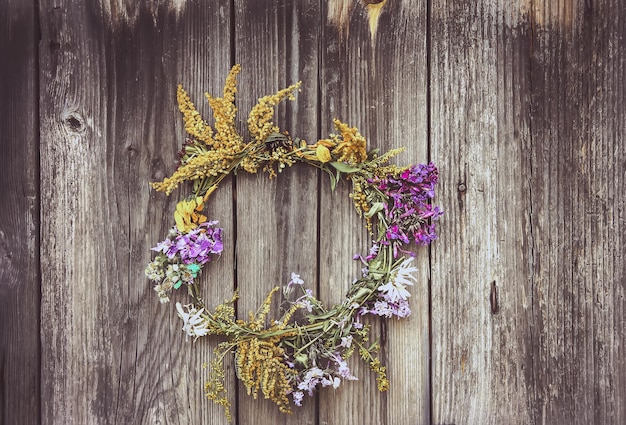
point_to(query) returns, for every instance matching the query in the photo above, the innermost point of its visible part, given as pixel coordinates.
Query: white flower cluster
(194, 324)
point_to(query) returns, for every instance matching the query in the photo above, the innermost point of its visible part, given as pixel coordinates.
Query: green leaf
(333, 179)
(362, 293)
(374, 347)
(345, 168)
(273, 137)
(376, 207)
(323, 316)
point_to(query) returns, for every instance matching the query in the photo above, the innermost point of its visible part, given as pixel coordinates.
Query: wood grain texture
(19, 215)
(526, 291)
(482, 269)
(578, 125)
(277, 45)
(519, 314)
(380, 88)
(112, 353)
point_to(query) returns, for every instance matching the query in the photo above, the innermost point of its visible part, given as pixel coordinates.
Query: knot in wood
(74, 122)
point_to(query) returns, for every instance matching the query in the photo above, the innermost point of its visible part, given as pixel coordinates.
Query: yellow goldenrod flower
(187, 214)
(194, 123)
(210, 163)
(230, 87)
(227, 139)
(259, 120)
(352, 148)
(259, 365)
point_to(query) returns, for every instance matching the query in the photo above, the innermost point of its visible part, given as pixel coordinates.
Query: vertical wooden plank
(558, 229)
(111, 353)
(204, 62)
(578, 171)
(376, 82)
(276, 43)
(482, 304)
(19, 215)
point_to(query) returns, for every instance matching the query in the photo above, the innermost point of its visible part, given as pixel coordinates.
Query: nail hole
(493, 298)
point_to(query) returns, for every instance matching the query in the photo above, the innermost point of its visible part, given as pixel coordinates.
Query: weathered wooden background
(519, 317)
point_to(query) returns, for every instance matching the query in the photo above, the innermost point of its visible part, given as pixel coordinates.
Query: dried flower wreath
(307, 346)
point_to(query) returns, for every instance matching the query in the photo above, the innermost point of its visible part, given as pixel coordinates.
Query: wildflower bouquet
(306, 345)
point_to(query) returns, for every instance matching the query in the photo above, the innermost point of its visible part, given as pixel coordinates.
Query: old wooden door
(518, 317)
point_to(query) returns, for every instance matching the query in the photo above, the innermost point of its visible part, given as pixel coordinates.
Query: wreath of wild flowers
(307, 345)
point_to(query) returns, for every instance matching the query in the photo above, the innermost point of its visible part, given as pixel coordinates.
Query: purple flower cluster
(196, 246)
(408, 212)
(310, 378)
(387, 309)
